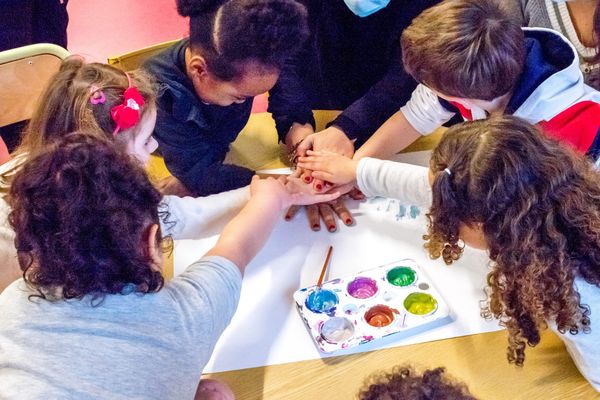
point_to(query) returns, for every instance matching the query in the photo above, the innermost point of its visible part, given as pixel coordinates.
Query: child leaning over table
(532, 202)
(92, 316)
(471, 58)
(83, 96)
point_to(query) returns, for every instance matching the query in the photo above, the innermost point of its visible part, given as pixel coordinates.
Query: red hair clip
(127, 114)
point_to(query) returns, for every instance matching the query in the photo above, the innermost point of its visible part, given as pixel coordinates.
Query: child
(92, 316)
(82, 97)
(499, 184)
(405, 383)
(235, 51)
(471, 58)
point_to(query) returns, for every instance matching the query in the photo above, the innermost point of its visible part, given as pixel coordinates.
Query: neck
(498, 105)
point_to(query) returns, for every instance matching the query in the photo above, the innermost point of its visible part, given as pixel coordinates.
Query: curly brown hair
(405, 384)
(81, 210)
(538, 205)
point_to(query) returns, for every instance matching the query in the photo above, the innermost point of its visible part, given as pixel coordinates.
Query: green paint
(401, 276)
(420, 303)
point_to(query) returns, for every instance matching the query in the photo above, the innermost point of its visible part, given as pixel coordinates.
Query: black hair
(229, 33)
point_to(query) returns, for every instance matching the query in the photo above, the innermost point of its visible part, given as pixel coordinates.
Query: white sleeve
(424, 111)
(187, 217)
(406, 182)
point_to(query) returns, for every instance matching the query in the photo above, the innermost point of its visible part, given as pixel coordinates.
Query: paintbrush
(324, 267)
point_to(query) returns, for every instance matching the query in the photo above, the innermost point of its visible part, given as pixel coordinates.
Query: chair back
(24, 74)
(133, 60)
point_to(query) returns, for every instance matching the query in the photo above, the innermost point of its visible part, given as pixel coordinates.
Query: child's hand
(284, 193)
(329, 167)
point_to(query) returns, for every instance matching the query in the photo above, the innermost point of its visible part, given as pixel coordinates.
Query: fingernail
(319, 186)
(348, 221)
(316, 227)
(307, 179)
(331, 228)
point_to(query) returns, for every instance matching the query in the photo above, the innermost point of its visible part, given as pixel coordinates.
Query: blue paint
(322, 301)
(414, 212)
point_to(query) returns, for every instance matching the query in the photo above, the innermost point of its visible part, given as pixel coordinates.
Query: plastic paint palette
(390, 299)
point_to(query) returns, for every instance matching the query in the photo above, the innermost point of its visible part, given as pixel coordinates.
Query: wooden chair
(134, 59)
(24, 74)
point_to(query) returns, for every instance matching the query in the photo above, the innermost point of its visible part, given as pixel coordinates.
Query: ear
(154, 252)
(197, 67)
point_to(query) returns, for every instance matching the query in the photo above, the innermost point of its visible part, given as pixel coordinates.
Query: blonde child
(103, 100)
(92, 316)
(533, 203)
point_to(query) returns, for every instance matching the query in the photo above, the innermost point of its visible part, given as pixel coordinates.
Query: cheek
(472, 237)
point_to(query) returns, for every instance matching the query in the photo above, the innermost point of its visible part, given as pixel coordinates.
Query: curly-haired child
(405, 383)
(103, 100)
(235, 51)
(500, 184)
(92, 316)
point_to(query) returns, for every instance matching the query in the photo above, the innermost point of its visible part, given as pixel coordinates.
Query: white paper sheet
(267, 329)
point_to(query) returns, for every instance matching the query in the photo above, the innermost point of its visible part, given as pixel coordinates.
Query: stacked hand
(329, 142)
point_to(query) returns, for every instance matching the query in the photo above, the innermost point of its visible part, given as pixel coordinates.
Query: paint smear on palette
(395, 298)
(321, 301)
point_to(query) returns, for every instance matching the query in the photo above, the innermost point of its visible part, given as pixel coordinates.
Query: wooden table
(478, 360)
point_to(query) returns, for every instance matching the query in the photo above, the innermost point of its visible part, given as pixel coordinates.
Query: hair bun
(192, 8)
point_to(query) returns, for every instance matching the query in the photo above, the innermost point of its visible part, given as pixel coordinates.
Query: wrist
(297, 133)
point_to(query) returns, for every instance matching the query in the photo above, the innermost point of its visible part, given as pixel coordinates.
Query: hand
(173, 186)
(329, 167)
(284, 193)
(333, 140)
(326, 211)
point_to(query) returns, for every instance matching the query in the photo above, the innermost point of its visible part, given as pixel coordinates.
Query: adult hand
(326, 211)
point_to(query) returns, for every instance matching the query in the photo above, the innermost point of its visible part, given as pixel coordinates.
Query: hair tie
(96, 95)
(447, 170)
(127, 114)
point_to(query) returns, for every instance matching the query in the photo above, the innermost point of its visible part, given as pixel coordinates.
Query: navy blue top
(194, 137)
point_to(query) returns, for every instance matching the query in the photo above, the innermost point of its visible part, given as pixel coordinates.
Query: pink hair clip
(127, 114)
(96, 95)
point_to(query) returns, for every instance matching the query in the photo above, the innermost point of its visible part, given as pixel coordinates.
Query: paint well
(420, 303)
(321, 301)
(380, 316)
(401, 276)
(337, 329)
(362, 288)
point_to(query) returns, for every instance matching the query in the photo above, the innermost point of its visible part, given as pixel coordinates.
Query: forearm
(248, 231)
(296, 133)
(405, 182)
(189, 217)
(394, 135)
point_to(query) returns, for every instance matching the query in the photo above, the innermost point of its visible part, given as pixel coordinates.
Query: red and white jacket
(550, 93)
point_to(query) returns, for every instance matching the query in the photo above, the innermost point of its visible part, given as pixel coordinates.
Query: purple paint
(362, 288)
